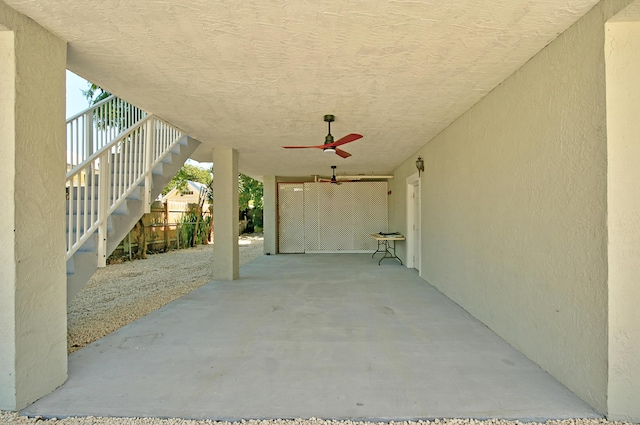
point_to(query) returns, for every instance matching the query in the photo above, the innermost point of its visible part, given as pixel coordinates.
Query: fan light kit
(331, 146)
(329, 138)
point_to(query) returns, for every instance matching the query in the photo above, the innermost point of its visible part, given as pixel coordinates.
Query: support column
(623, 202)
(270, 214)
(225, 214)
(33, 314)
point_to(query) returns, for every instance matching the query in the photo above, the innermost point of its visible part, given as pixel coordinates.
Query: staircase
(119, 159)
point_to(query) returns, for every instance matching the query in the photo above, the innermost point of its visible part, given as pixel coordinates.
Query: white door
(291, 218)
(323, 217)
(341, 218)
(413, 222)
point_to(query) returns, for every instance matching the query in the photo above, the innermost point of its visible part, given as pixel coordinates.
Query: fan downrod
(329, 138)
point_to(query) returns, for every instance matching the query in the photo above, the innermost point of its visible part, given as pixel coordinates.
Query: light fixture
(420, 165)
(329, 139)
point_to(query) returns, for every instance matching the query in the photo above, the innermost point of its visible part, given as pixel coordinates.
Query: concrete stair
(84, 262)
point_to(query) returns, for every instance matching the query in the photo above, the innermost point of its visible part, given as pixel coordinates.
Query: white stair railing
(90, 130)
(103, 180)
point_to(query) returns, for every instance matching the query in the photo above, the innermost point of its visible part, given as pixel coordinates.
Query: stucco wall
(7, 215)
(33, 357)
(398, 202)
(225, 210)
(514, 208)
(623, 127)
(270, 215)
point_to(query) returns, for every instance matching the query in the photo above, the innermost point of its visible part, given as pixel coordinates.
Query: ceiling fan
(333, 177)
(331, 146)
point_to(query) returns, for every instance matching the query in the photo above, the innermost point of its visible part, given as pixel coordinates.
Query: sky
(76, 102)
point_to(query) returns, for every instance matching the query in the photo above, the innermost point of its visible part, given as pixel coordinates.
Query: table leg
(380, 244)
(388, 253)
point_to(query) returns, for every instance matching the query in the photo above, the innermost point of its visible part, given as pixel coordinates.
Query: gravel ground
(13, 418)
(122, 293)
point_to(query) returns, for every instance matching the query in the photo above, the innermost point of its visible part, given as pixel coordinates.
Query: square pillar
(270, 214)
(623, 203)
(33, 297)
(225, 214)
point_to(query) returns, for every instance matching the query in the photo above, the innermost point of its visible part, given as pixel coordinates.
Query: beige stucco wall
(7, 215)
(398, 202)
(514, 208)
(225, 214)
(33, 357)
(270, 214)
(623, 127)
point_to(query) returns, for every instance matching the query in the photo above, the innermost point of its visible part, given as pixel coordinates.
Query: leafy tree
(250, 192)
(250, 195)
(195, 228)
(95, 94)
(191, 229)
(189, 172)
(110, 117)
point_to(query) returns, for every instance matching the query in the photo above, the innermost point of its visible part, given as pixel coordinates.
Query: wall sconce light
(420, 165)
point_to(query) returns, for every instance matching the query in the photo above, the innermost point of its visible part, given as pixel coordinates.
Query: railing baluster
(70, 241)
(88, 135)
(111, 149)
(90, 130)
(139, 147)
(148, 160)
(125, 177)
(77, 217)
(103, 206)
(116, 176)
(120, 171)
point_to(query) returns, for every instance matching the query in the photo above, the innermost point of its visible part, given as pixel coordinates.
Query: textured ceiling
(259, 74)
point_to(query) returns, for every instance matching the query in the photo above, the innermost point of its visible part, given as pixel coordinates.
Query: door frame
(414, 213)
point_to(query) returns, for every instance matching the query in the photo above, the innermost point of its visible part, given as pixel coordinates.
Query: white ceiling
(259, 74)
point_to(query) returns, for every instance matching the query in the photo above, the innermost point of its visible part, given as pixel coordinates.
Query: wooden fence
(160, 231)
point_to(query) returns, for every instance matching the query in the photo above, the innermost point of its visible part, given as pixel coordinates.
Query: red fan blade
(346, 139)
(303, 147)
(342, 153)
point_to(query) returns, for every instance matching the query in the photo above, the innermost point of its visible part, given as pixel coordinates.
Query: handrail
(102, 181)
(90, 130)
(95, 105)
(120, 137)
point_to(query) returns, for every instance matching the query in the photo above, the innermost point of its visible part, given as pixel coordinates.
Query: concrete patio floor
(314, 335)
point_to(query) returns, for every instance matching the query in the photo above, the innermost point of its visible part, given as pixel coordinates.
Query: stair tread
(125, 217)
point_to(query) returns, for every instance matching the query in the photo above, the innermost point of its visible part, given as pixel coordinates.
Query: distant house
(178, 201)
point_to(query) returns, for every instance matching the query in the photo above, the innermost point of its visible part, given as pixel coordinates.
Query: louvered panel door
(311, 217)
(339, 218)
(291, 218)
(370, 214)
(335, 217)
